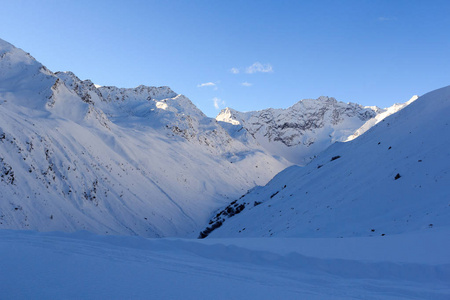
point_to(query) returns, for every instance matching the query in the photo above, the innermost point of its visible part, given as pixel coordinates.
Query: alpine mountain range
(146, 161)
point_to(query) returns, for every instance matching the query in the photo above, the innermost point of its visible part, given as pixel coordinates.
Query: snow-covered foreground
(86, 266)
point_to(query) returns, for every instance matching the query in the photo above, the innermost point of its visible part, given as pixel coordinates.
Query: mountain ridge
(306, 128)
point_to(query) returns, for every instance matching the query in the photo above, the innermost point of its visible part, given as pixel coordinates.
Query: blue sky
(247, 55)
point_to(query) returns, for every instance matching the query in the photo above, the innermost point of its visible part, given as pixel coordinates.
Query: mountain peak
(301, 131)
(227, 115)
(14, 56)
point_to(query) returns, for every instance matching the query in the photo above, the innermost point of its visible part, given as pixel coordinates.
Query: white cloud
(245, 83)
(206, 84)
(259, 67)
(218, 103)
(234, 70)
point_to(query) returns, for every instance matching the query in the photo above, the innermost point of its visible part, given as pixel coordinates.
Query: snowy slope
(381, 115)
(391, 180)
(303, 130)
(140, 161)
(85, 266)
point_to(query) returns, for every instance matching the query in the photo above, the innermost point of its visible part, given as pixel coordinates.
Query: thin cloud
(234, 70)
(259, 67)
(246, 84)
(218, 103)
(206, 84)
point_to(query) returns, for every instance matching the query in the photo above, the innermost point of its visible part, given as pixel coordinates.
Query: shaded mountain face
(141, 161)
(303, 130)
(392, 179)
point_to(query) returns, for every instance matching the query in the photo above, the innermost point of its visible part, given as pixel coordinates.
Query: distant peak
(321, 101)
(16, 55)
(326, 99)
(226, 110)
(65, 74)
(164, 89)
(227, 115)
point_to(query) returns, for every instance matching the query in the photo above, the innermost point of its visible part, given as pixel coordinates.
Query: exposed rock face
(303, 130)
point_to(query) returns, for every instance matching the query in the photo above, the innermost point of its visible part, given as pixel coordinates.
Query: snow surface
(393, 179)
(86, 266)
(382, 113)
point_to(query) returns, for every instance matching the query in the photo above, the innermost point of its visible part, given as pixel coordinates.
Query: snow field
(82, 265)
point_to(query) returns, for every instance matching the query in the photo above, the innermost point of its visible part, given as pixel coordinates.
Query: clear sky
(247, 55)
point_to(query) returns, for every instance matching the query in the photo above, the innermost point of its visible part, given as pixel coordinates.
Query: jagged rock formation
(303, 130)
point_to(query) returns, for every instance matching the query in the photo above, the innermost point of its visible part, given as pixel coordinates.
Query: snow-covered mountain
(145, 161)
(303, 130)
(381, 114)
(393, 179)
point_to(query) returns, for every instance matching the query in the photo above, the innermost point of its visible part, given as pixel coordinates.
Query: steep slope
(303, 130)
(381, 115)
(140, 161)
(393, 179)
